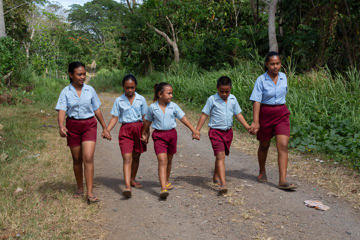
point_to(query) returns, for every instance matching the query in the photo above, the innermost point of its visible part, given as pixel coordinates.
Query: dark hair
(158, 88)
(73, 66)
(268, 56)
(129, 77)
(224, 81)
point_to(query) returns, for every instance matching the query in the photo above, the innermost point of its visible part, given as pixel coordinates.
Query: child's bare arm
(201, 121)
(186, 122)
(145, 131)
(243, 122)
(255, 125)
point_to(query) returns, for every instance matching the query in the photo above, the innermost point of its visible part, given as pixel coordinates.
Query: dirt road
(193, 210)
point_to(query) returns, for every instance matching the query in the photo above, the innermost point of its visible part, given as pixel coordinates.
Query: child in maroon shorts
(221, 107)
(129, 109)
(162, 114)
(271, 117)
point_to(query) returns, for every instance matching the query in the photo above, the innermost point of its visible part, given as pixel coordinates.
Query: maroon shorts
(80, 130)
(130, 138)
(221, 140)
(165, 141)
(274, 120)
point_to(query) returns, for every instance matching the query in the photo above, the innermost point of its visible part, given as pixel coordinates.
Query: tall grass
(324, 110)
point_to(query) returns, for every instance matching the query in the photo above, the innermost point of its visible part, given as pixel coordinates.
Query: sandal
(216, 181)
(287, 186)
(262, 178)
(164, 194)
(78, 194)
(136, 185)
(222, 190)
(169, 186)
(92, 200)
(127, 193)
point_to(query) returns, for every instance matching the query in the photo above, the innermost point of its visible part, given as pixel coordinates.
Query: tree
(273, 44)
(2, 20)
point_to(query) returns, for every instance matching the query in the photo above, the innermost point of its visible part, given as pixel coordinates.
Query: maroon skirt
(130, 138)
(274, 120)
(80, 130)
(165, 141)
(221, 140)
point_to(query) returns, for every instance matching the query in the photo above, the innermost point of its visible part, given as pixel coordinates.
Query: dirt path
(194, 211)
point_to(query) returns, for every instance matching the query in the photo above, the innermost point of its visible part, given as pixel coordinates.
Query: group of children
(80, 103)
(131, 111)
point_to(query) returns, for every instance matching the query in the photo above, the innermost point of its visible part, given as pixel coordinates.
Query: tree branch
(172, 29)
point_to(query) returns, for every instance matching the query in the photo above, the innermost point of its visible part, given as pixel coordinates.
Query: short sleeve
(144, 107)
(179, 114)
(62, 101)
(237, 108)
(149, 114)
(256, 95)
(115, 109)
(95, 101)
(208, 106)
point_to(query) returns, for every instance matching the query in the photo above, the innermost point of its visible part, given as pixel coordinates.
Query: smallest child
(221, 107)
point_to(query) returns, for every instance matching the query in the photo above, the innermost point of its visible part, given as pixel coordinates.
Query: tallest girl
(271, 117)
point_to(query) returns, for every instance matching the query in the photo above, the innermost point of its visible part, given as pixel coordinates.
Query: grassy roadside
(36, 177)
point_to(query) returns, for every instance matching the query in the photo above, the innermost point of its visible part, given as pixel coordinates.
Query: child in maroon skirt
(271, 117)
(129, 110)
(221, 107)
(162, 114)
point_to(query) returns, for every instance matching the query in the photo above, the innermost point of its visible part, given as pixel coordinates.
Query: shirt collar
(267, 77)
(124, 98)
(217, 97)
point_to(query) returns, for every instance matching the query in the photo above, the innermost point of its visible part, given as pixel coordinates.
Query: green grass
(324, 110)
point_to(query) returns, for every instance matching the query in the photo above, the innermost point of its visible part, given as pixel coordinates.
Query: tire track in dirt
(193, 210)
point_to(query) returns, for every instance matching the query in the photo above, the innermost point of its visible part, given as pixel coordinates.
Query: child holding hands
(221, 107)
(162, 114)
(129, 109)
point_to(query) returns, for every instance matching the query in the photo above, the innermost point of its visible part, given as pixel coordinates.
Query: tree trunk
(171, 42)
(273, 45)
(2, 21)
(254, 11)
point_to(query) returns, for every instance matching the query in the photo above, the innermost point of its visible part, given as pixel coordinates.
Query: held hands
(145, 137)
(254, 128)
(196, 135)
(106, 134)
(63, 131)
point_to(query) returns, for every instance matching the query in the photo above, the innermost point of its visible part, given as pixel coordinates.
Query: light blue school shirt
(161, 120)
(128, 113)
(221, 113)
(267, 92)
(78, 107)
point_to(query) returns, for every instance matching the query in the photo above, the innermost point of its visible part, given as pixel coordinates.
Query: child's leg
(135, 166)
(220, 166)
(168, 169)
(262, 154)
(87, 154)
(216, 178)
(282, 148)
(127, 162)
(162, 169)
(78, 167)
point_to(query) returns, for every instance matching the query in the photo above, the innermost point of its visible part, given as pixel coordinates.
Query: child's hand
(254, 128)
(145, 138)
(106, 134)
(63, 131)
(196, 135)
